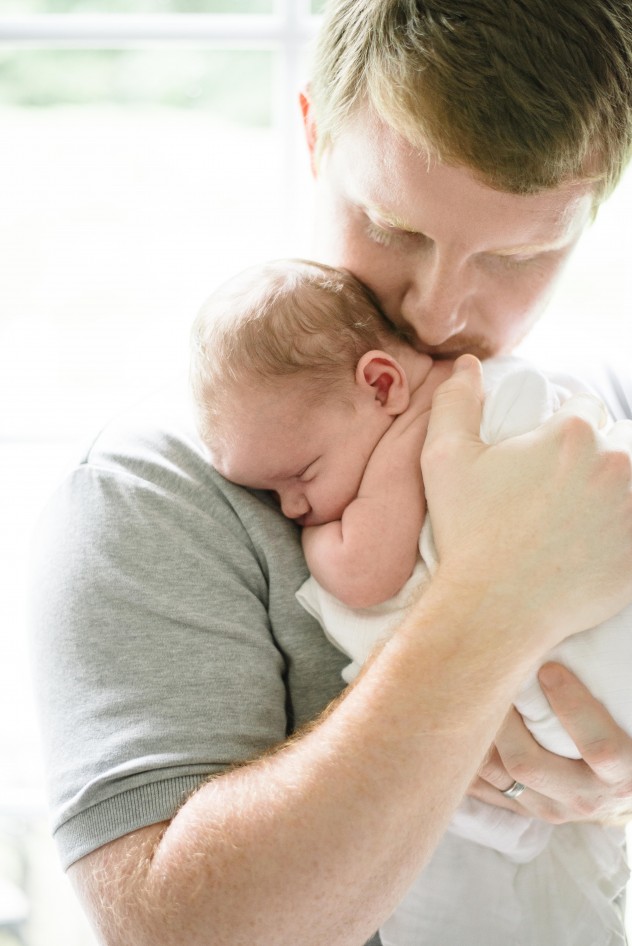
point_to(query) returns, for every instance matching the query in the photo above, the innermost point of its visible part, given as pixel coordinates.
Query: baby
(304, 389)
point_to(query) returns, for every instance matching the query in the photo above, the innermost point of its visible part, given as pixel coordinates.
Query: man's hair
(527, 93)
(277, 320)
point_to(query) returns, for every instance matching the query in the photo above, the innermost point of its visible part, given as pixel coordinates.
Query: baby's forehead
(261, 464)
(262, 437)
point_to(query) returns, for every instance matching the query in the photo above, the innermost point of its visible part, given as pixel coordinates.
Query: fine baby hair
(277, 319)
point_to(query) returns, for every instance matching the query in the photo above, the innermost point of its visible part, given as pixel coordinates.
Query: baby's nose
(293, 504)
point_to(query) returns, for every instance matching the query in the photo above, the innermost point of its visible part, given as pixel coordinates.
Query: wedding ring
(514, 791)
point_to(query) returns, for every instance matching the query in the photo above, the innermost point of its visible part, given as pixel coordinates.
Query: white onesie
(499, 878)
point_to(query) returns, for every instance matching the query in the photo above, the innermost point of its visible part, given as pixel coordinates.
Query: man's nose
(293, 502)
(435, 303)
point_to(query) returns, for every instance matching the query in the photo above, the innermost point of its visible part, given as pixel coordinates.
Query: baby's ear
(382, 377)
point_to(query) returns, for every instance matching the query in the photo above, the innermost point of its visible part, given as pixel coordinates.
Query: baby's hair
(276, 320)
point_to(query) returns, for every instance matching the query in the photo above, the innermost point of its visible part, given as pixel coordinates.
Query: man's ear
(309, 126)
(382, 376)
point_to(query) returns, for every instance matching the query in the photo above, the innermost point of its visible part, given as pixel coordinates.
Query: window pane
(146, 180)
(17, 7)
(180, 78)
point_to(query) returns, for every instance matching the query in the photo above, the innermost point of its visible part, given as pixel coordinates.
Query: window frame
(286, 31)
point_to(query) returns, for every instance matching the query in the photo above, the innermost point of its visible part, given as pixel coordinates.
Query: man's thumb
(457, 405)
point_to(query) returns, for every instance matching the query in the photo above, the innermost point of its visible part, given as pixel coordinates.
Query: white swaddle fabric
(523, 854)
(570, 894)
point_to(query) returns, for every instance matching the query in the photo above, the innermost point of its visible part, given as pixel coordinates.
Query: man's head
(292, 385)
(529, 94)
(460, 149)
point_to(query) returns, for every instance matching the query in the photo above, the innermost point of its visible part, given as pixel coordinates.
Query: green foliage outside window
(179, 78)
(16, 7)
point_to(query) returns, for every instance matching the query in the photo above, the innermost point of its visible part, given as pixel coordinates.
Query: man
(459, 151)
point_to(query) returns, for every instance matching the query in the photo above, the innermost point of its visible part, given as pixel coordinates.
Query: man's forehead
(380, 171)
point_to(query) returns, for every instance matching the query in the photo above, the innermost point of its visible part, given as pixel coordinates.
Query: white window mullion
(286, 31)
(120, 30)
(299, 27)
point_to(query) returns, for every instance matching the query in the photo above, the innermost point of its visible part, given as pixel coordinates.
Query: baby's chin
(309, 520)
(314, 519)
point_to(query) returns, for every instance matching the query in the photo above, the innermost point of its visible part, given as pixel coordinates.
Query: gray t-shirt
(168, 641)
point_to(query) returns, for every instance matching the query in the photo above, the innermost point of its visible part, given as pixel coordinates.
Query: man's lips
(452, 348)
(481, 350)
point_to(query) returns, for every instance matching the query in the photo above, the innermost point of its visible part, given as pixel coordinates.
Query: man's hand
(540, 523)
(596, 788)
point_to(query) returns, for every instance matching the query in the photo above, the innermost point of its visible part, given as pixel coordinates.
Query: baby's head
(295, 380)
(278, 321)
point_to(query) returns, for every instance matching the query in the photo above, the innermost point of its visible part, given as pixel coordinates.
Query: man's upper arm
(115, 874)
(155, 663)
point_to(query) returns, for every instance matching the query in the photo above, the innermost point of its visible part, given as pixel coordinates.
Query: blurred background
(150, 150)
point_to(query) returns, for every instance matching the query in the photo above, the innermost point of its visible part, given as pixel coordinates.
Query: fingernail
(551, 677)
(463, 363)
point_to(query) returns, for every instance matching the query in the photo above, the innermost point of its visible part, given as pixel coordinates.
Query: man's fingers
(619, 436)
(586, 406)
(530, 761)
(602, 743)
(457, 405)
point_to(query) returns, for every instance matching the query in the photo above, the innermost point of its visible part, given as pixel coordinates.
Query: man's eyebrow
(394, 221)
(390, 218)
(530, 248)
(527, 249)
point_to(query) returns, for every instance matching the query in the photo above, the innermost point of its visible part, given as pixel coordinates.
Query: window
(149, 152)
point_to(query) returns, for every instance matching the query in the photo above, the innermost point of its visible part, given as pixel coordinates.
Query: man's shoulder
(154, 446)
(150, 440)
(612, 381)
(146, 483)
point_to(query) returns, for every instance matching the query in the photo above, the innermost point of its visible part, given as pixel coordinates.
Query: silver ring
(514, 791)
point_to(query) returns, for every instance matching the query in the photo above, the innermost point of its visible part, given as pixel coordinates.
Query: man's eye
(514, 262)
(389, 236)
(379, 234)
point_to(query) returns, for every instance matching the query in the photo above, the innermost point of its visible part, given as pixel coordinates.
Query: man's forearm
(318, 842)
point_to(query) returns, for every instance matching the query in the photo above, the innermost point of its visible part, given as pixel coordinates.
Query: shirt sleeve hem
(128, 811)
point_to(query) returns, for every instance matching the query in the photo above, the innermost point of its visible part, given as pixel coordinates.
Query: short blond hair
(277, 320)
(529, 94)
